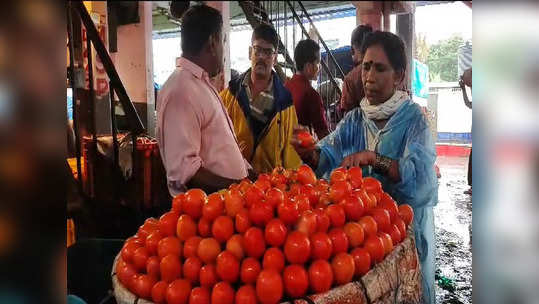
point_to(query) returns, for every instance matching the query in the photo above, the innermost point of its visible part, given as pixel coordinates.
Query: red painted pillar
(369, 12)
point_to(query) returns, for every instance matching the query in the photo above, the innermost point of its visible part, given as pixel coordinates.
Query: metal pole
(93, 145)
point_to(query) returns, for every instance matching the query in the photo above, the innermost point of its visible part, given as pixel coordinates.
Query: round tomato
(204, 227)
(191, 269)
(353, 207)
(263, 184)
(186, 227)
(389, 204)
(395, 234)
(170, 267)
(303, 203)
(295, 280)
(322, 220)
(222, 293)
(260, 213)
(307, 223)
(406, 214)
(235, 246)
(178, 292)
(355, 176)
(190, 247)
(254, 242)
(343, 267)
(402, 227)
(208, 276)
(372, 185)
(152, 241)
(336, 215)
(288, 212)
(306, 175)
(246, 295)
(253, 195)
(311, 192)
(269, 287)
(169, 245)
(338, 175)
(250, 268)
(274, 197)
(178, 202)
(355, 234)
(362, 261)
(368, 203)
(143, 286)
(339, 190)
(213, 207)
(167, 223)
(233, 202)
(194, 200)
(375, 247)
(339, 240)
(140, 257)
(152, 267)
(297, 247)
(275, 232)
(305, 139)
(245, 184)
(295, 189)
(125, 272)
(199, 295)
(242, 221)
(320, 276)
(370, 227)
(128, 251)
(208, 250)
(321, 246)
(228, 267)
(159, 291)
(222, 228)
(386, 240)
(273, 259)
(381, 216)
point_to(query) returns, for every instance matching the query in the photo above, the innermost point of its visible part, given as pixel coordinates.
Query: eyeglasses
(262, 51)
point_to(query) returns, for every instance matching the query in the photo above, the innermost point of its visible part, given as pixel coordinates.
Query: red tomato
(273, 259)
(178, 292)
(190, 247)
(250, 268)
(177, 203)
(355, 176)
(143, 286)
(170, 267)
(269, 287)
(186, 227)
(191, 269)
(135, 240)
(159, 291)
(152, 240)
(339, 240)
(295, 189)
(204, 227)
(245, 184)
(246, 295)
(370, 227)
(152, 267)
(169, 245)
(297, 247)
(263, 184)
(355, 234)
(312, 194)
(303, 203)
(389, 204)
(322, 220)
(343, 267)
(406, 213)
(320, 276)
(194, 200)
(275, 232)
(307, 223)
(254, 242)
(208, 276)
(375, 247)
(167, 223)
(128, 251)
(149, 226)
(228, 267)
(306, 175)
(402, 227)
(235, 246)
(242, 221)
(253, 195)
(296, 281)
(222, 228)
(125, 272)
(382, 218)
(321, 246)
(336, 215)
(372, 185)
(353, 207)
(386, 240)
(338, 175)
(199, 295)
(305, 139)
(140, 257)
(395, 234)
(213, 207)
(233, 202)
(208, 250)
(339, 190)
(222, 293)
(274, 197)
(362, 261)
(260, 213)
(368, 203)
(288, 212)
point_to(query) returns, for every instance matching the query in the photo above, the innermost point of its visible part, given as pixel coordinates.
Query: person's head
(263, 50)
(307, 58)
(383, 67)
(358, 35)
(201, 36)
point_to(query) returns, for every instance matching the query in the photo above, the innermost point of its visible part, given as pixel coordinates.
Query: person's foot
(469, 191)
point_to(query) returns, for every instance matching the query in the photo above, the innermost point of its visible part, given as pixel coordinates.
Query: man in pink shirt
(195, 134)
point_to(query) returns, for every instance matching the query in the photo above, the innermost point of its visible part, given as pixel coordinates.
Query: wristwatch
(382, 164)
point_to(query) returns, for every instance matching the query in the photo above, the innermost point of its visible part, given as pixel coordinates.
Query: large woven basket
(397, 279)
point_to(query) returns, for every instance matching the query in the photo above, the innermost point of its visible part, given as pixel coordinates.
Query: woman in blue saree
(389, 138)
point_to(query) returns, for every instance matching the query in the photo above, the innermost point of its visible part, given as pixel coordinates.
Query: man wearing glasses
(261, 108)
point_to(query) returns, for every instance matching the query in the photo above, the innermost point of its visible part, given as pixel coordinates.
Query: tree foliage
(443, 59)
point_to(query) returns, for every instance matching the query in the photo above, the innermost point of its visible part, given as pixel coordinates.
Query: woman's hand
(359, 159)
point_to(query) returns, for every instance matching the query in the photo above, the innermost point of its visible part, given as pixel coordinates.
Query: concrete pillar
(134, 62)
(369, 12)
(224, 8)
(406, 30)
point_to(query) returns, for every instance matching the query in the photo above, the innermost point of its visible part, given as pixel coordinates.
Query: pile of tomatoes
(284, 236)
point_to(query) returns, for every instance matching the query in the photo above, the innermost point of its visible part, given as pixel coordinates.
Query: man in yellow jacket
(261, 108)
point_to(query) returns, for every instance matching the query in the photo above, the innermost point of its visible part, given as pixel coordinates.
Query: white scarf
(385, 109)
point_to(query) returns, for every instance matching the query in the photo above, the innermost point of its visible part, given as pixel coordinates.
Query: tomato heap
(284, 236)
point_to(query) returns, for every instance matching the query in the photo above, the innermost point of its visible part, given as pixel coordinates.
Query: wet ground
(453, 217)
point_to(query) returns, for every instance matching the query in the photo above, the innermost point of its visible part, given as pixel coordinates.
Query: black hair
(392, 45)
(266, 32)
(358, 35)
(306, 51)
(198, 24)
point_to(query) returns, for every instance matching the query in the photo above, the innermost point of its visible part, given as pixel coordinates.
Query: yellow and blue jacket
(272, 148)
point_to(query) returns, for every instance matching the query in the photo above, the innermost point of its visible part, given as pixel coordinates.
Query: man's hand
(359, 159)
(295, 142)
